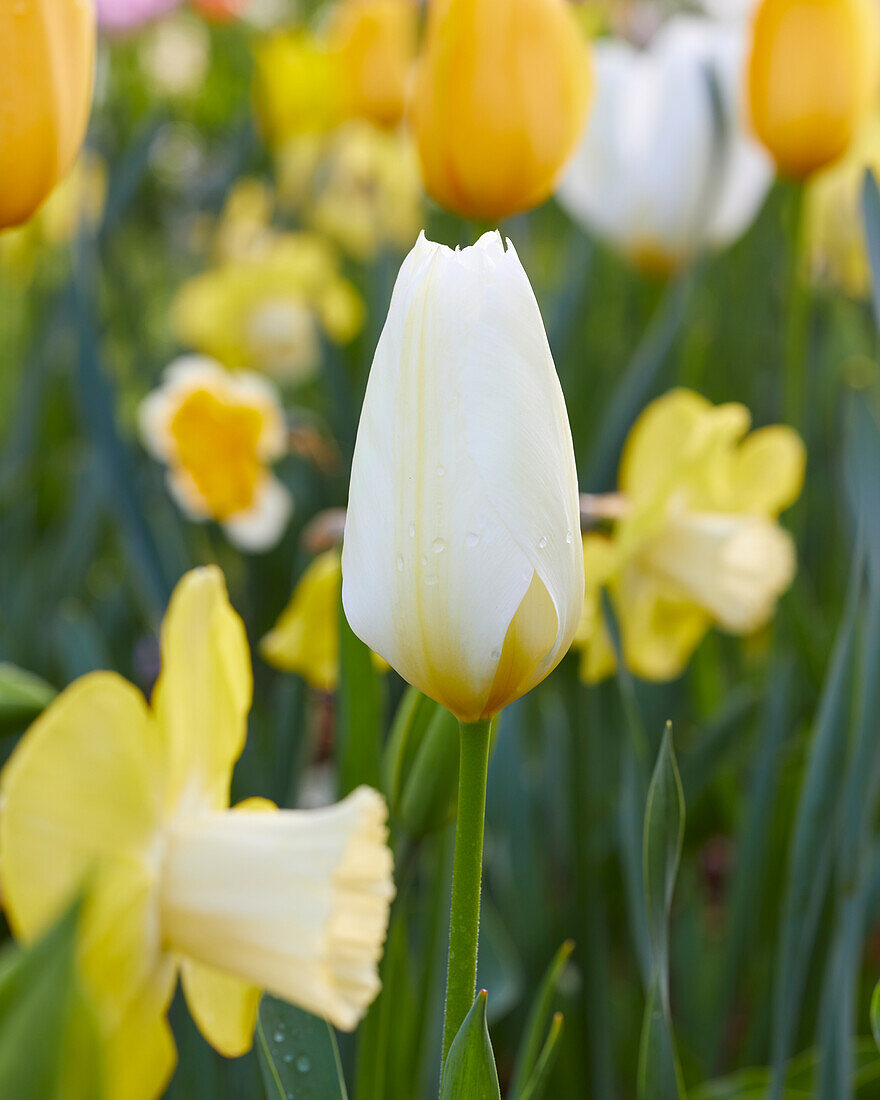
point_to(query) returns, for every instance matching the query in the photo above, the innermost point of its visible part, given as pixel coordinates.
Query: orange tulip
(812, 78)
(499, 102)
(377, 44)
(47, 52)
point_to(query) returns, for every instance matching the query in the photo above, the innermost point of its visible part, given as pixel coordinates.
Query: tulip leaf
(298, 1054)
(659, 1074)
(875, 1014)
(429, 791)
(48, 1043)
(811, 850)
(469, 1072)
(22, 694)
(411, 719)
(871, 214)
(359, 713)
(531, 1047)
(546, 1059)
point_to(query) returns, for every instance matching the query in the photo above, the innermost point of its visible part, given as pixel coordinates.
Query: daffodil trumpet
(131, 801)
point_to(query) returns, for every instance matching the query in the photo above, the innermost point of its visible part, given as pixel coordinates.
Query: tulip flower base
(467, 872)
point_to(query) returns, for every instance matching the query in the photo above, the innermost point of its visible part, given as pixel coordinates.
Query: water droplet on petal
(472, 539)
(400, 563)
(438, 546)
(441, 470)
(569, 537)
(424, 559)
(431, 578)
(411, 531)
(496, 654)
(542, 543)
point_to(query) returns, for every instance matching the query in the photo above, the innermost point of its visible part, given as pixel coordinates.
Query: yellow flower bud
(377, 44)
(46, 65)
(812, 77)
(499, 102)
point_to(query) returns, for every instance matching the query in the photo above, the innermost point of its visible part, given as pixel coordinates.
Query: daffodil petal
(659, 632)
(652, 453)
(223, 1007)
(140, 1054)
(203, 694)
(305, 639)
(768, 470)
(82, 802)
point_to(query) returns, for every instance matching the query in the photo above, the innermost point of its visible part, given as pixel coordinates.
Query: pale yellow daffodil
(695, 540)
(266, 311)
(218, 432)
(305, 640)
(132, 801)
(359, 186)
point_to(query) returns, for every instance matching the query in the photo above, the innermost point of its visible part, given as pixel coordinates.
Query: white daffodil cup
(667, 166)
(462, 564)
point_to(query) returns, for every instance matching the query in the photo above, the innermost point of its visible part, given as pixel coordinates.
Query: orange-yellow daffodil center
(217, 445)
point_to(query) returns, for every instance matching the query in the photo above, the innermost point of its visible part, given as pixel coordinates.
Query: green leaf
(469, 1072)
(533, 1038)
(298, 1054)
(871, 214)
(411, 720)
(875, 1014)
(48, 1042)
(659, 1076)
(359, 713)
(541, 1073)
(429, 792)
(22, 694)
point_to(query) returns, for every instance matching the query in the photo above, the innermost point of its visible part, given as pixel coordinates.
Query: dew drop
(542, 543)
(303, 1064)
(278, 1036)
(411, 531)
(431, 579)
(472, 539)
(496, 654)
(400, 563)
(288, 1057)
(424, 559)
(441, 470)
(569, 537)
(438, 546)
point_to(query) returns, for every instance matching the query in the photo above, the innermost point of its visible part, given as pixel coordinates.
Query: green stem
(467, 872)
(798, 313)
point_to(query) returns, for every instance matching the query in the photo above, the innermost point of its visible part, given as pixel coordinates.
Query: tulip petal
(82, 801)
(463, 422)
(203, 694)
(223, 1007)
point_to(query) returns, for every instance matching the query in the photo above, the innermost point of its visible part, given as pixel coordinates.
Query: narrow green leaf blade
(22, 694)
(541, 1073)
(469, 1072)
(871, 214)
(298, 1054)
(875, 1014)
(533, 1038)
(359, 714)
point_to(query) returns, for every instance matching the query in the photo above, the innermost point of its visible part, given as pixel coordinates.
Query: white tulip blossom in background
(462, 563)
(218, 431)
(666, 166)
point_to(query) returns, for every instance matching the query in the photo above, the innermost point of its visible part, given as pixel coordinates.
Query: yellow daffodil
(376, 43)
(359, 186)
(835, 230)
(305, 640)
(812, 78)
(243, 230)
(499, 102)
(132, 802)
(266, 311)
(77, 201)
(695, 539)
(218, 433)
(47, 54)
(461, 565)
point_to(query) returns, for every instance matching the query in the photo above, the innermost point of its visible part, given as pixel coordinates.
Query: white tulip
(462, 563)
(666, 166)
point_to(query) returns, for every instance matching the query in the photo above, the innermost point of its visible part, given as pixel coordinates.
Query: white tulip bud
(462, 562)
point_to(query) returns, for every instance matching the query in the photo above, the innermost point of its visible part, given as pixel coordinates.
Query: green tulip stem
(467, 874)
(798, 312)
